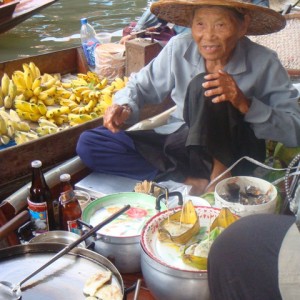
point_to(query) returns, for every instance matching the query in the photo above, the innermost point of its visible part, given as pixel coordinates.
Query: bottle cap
(83, 21)
(65, 177)
(36, 164)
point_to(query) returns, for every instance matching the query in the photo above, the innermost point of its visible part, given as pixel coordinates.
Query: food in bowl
(196, 254)
(99, 286)
(246, 195)
(180, 226)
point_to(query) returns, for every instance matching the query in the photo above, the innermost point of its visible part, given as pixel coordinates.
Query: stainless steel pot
(169, 283)
(64, 279)
(164, 271)
(123, 248)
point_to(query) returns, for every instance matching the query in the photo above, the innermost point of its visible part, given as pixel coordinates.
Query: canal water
(57, 26)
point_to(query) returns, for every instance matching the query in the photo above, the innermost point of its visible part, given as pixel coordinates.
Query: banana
(28, 115)
(34, 108)
(68, 102)
(34, 70)
(43, 96)
(66, 85)
(28, 93)
(36, 83)
(49, 101)
(1, 97)
(19, 81)
(49, 83)
(57, 111)
(3, 128)
(42, 107)
(37, 91)
(14, 116)
(45, 130)
(75, 119)
(50, 91)
(5, 84)
(8, 102)
(24, 137)
(4, 139)
(23, 126)
(59, 120)
(33, 99)
(12, 90)
(22, 105)
(28, 78)
(44, 122)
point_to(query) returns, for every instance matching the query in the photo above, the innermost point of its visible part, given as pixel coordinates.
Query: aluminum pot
(63, 279)
(165, 273)
(119, 241)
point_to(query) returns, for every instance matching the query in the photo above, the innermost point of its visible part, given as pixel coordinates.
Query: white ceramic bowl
(241, 209)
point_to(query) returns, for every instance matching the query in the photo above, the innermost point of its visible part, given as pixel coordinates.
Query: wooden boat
(15, 12)
(51, 149)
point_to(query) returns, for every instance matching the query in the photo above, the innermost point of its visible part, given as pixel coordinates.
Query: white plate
(197, 201)
(169, 254)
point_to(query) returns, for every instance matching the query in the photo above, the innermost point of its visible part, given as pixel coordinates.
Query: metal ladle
(11, 291)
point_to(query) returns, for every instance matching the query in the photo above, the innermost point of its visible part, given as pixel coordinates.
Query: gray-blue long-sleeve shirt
(274, 112)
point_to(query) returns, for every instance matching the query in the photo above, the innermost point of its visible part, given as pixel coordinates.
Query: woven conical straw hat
(263, 20)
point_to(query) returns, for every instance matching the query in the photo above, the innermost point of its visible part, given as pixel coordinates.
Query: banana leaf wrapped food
(181, 226)
(196, 254)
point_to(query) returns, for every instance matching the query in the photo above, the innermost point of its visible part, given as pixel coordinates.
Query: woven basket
(286, 43)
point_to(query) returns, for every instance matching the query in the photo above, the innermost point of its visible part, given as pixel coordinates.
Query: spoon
(11, 291)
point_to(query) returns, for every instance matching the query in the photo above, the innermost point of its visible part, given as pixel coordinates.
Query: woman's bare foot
(218, 169)
(198, 185)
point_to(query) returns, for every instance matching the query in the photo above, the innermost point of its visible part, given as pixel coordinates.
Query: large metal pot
(63, 279)
(165, 273)
(120, 240)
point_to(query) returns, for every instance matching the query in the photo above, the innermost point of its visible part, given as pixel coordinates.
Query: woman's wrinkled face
(216, 31)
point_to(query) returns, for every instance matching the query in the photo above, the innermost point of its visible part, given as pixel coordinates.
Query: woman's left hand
(222, 87)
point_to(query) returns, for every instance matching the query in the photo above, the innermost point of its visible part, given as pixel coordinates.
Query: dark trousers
(211, 131)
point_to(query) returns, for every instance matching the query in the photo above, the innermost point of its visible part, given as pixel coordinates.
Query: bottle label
(39, 215)
(89, 51)
(73, 227)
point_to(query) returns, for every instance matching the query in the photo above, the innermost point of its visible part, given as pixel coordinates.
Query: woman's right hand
(115, 116)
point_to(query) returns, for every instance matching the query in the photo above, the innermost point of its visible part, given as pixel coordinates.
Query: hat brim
(263, 20)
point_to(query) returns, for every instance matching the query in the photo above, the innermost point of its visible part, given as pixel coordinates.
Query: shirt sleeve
(274, 112)
(150, 85)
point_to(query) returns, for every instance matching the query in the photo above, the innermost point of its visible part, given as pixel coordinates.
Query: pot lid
(129, 224)
(63, 279)
(169, 254)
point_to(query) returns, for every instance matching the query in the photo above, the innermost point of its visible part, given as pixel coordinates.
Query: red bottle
(70, 210)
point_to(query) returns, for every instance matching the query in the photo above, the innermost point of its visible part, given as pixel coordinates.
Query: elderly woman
(230, 94)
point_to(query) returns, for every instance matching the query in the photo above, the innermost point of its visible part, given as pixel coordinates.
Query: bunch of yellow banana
(119, 83)
(8, 91)
(10, 123)
(34, 86)
(22, 137)
(46, 127)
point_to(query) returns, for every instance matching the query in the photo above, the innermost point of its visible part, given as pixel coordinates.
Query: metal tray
(64, 279)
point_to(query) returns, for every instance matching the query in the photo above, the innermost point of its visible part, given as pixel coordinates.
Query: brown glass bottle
(70, 210)
(40, 202)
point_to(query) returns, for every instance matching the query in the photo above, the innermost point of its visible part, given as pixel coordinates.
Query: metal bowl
(57, 236)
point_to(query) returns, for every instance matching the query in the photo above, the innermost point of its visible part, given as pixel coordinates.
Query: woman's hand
(115, 116)
(222, 87)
